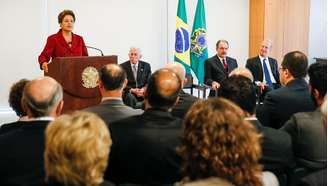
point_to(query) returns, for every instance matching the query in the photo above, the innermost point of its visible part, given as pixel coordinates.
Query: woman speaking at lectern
(64, 43)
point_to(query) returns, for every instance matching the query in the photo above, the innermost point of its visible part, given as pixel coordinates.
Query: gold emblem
(90, 77)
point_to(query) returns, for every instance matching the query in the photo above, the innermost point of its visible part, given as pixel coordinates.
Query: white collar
(43, 118)
(110, 98)
(261, 58)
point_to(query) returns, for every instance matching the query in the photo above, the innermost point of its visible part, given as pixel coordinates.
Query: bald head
(240, 71)
(112, 77)
(42, 96)
(179, 69)
(163, 88)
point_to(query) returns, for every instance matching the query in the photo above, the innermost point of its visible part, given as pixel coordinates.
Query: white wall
(114, 26)
(318, 29)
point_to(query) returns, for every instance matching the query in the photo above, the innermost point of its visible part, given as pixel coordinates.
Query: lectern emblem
(90, 77)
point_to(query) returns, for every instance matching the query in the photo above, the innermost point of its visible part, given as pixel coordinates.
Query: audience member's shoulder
(306, 117)
(11, 126)
(107, 183)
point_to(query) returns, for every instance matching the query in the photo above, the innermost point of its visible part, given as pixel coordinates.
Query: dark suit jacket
(277, 155)
(21, 157)
(112, 110)
(143, 74)
(309, 139)
(255, 66)
(280, 104)
(318, 178)
(11, 126)
(144, 149)
(185, 102)
(214, 70)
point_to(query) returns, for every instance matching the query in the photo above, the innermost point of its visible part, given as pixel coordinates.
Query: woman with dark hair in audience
(15, 99)
(219, 146)
(77, 150)
(64, 42)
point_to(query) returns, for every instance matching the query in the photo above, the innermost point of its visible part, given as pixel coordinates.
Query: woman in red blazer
(64, 42)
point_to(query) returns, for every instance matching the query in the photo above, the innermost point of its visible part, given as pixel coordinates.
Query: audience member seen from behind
(15, 102)
(306, 129)
(225, 147)
(318, 178)
(280, 104)
(76, 150)
(240, 71)
(185, 99)
(22, 162)
(144, 146)
(112, 81)
(277, 155)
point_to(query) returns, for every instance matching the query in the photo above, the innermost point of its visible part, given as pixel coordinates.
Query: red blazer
(57, 47)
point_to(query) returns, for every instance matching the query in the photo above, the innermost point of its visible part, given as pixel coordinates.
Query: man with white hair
(185, 100)
(21, 160)
(138, 73)
(264, 69)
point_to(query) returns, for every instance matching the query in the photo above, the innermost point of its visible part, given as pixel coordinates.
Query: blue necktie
(267, 74)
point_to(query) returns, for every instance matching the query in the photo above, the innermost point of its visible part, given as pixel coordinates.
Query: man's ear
(25, 107)
(316, 93)
(59, 108)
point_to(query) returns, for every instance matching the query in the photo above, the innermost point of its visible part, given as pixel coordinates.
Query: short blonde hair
(77, 148)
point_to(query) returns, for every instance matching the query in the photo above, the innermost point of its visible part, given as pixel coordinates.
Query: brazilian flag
(198, 51)
(182, 42)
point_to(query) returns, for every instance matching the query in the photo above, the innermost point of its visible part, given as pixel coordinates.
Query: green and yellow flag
(182, 42)
(198, 51)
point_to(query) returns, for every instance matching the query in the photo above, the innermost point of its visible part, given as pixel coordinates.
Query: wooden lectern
(78, 76)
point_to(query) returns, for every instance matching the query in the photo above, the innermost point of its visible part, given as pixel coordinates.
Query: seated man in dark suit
(185, 100)
(138, 73)
(144, 146)
(21, 160)
(264, 70)
(280, 104)
(276, 145)
(15, 102)
(306, 129)
(112, 80)
(218, 67)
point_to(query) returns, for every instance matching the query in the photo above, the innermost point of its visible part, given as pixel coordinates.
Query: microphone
(102, 54)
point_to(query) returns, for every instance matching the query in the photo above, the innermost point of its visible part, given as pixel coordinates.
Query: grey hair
(269, 41)
(241, 71)
(44, 107)
(137, 49)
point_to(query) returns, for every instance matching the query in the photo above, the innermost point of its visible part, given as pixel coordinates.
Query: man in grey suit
(112, 81)
(218, 67)
(306, 129)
